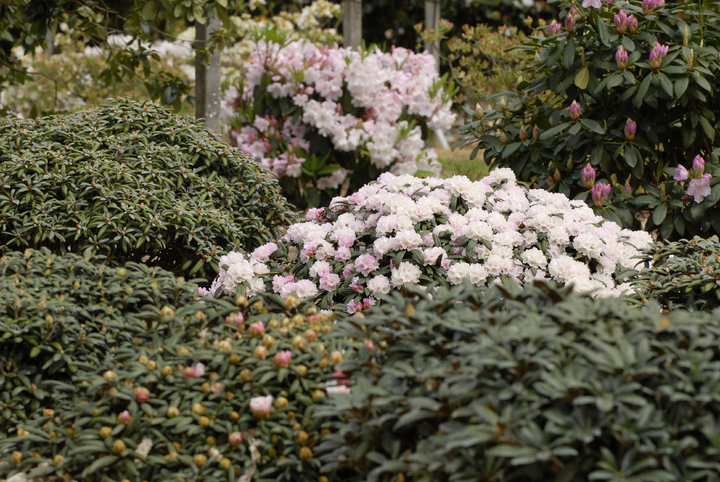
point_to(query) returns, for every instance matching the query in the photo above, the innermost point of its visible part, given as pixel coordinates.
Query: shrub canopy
(119, 373)
(536, 384)
(132, 181)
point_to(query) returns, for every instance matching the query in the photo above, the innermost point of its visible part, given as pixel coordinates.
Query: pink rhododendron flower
(681, 174)
(196, 371)
(700, 188)
(591, 3)
(236, 318)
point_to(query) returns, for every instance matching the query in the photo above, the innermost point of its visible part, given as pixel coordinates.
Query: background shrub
(683, 274)
(327, 120)
(533, 384)
(668, 97)
(155, 339)
(133, 181)
(483, 61)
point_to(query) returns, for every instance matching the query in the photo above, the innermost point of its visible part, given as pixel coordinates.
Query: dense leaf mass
(682, 274)
(133, 181)
(533, 384)
(120, 373)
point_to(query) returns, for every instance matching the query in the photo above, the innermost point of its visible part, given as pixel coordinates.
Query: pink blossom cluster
(699, 185)
(384, 88)
(402, 230)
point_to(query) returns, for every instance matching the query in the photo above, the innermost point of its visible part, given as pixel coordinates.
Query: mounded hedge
(120, 374)
(539, 384)
(133, 181)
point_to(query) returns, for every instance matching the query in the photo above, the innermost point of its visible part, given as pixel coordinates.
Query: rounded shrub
(621, 95)
(682, 274)
(134, 182)
(534, 384)
(402, 231)
(160, 386)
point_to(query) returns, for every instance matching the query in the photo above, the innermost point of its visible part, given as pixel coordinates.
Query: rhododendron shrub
(328, 119)
(630, 87)
(402, 231)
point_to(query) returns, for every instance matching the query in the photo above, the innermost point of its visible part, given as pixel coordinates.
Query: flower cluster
(403, 231)
(699, 186)
(362, 102)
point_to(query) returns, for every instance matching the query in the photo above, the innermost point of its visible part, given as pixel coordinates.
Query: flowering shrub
(539, 384)
(634, 90)
(120, 373)
(403, 231)
(134, 182)
(315, 115)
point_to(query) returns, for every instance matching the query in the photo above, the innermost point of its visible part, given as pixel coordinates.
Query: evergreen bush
(133, 182)
(533, 384)
(120, 374)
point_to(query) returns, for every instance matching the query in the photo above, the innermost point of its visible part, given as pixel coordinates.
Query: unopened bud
(479, 112)
(523, 134)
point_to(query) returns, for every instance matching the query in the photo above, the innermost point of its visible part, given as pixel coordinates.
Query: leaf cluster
(536, 384)
(63, 381)
(683, 274)
(672, 105)
(134, 182)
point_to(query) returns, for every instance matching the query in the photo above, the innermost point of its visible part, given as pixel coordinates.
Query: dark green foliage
(683, 274)
(673, 105)
(147, 340)
(133, 182)
(533, 384)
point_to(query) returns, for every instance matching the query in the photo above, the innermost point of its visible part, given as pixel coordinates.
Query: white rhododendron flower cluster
(404, 230)
(371, 102)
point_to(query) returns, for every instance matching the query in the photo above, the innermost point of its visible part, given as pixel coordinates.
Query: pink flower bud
(621, 21)
(261, 406)
(550, 181)
(257, 329)
(523, 134)
(632, 24)
(235, 439)
(621, 58)
(599, 192)
(196, 371)
(588, 176)
(142, 394)
(569, 24)
(536, 133)
(236, 318)
(628, 188)
(554, 28)
(124, 418)
(575, 110)
(630, 129)
(698, 166)
(649, 5)
(479, 112)
(657, 54)
(282, 359)
(369, 345)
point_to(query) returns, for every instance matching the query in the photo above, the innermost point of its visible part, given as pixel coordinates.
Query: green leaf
(34, 352)
(99, 464)
(553, 131)
(569, 53)
(582, 78)
(150, 10)
(603, 31)
(665, 84)
(592, 125)
(642, 90)
(701, 81)
(708, 128)
(681, 86)
(659, 214)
